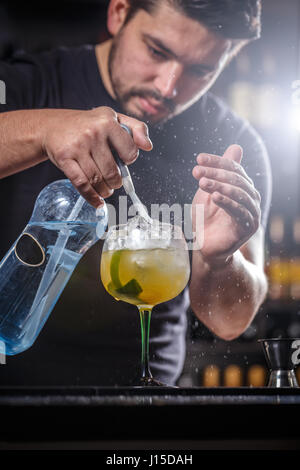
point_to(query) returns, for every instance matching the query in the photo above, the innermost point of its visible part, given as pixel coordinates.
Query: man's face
(161, 63)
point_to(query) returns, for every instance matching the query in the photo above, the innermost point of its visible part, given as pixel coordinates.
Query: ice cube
(138, 233)
(138, 222)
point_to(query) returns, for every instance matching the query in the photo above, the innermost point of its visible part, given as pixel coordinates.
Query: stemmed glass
(145, 264)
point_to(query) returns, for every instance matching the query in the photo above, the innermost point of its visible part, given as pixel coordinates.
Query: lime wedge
(115, 288)
(114, 268)
(132, 288)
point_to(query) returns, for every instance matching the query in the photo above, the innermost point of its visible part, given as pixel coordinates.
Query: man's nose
(167, 79)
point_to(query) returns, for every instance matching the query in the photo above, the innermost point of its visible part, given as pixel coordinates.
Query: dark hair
(233, 19)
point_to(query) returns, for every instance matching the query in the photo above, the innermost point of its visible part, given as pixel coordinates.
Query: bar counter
(149, 418)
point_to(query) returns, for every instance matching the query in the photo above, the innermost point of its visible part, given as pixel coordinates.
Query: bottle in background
(211, 376)
(294, 266)
(233, 376)
(278, 265)
(256, 376)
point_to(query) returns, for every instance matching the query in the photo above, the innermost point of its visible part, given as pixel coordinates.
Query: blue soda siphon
(37, 267)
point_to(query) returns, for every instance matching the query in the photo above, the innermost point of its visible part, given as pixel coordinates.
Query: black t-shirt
(90, 339)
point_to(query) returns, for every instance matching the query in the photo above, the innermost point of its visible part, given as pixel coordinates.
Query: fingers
(228, 177)
(121, 143)
(118, 143)
(84, 146)
(237, 211)
(104, 162)
(96, 177)
(235, 193)
(234, 152)
(80, 181)
(214, 161)
(139, 131)
(229, 185)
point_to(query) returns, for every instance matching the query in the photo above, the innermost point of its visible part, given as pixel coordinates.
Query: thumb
(234, 152)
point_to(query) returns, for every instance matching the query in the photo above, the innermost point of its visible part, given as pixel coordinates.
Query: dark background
(258, 85)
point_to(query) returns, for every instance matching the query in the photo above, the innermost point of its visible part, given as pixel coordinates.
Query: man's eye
(156, 53)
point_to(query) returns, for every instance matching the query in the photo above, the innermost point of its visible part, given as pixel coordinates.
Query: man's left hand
(231, 204)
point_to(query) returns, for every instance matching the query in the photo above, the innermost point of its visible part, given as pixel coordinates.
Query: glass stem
(145, 316)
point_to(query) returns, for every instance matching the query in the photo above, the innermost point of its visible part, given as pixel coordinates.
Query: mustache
(165, 102)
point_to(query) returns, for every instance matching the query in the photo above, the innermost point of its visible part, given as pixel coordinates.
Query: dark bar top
(146, 396)
(155, 416)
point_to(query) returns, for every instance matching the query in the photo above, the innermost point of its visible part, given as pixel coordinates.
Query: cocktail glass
(145, 264)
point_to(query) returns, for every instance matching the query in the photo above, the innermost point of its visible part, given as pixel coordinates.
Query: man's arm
(21, 140)
(226, 296)
(79, 143)
(228, 283)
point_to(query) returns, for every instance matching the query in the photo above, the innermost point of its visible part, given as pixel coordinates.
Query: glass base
(151, 382)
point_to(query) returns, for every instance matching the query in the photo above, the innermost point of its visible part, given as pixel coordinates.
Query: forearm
(78, 142)
(226, 297)
(21, 139)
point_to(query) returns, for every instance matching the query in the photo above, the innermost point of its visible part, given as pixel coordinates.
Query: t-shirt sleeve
(21, 83)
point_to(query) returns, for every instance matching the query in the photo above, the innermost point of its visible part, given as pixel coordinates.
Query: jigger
(282, 356)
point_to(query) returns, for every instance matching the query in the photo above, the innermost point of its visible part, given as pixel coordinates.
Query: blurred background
(263, 85)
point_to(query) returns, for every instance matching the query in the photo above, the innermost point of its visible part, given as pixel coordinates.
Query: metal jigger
(282, 355)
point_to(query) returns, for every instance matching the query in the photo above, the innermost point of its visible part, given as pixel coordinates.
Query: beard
(123, 95)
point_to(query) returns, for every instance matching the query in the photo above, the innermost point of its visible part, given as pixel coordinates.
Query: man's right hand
(80, 144)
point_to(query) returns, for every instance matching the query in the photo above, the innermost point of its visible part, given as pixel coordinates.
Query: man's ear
(116, 15)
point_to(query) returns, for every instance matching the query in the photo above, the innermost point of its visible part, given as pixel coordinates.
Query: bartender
(61, 119)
